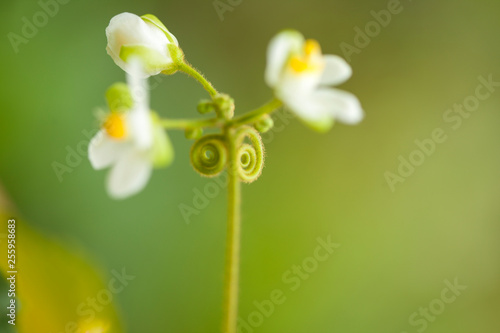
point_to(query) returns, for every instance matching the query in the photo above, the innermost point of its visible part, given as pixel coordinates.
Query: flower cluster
(133, 141)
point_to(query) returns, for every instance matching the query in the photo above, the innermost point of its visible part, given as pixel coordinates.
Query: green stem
(186, 68)
(255, 115)
(233, 239)
(190, 123)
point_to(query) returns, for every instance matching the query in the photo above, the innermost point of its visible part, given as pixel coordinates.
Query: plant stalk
(190, 123)
(233, 239)
(256, 114)
(191, 71)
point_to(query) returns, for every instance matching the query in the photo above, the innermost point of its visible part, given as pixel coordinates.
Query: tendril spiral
(250, 157)
(209, 155)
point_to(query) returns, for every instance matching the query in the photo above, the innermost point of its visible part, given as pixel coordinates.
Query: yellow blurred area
(51, 285)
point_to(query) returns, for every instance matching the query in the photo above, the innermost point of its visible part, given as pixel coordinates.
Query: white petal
(296, 90)
(307, 107)
(278, 54)
(129, 175)
(336, 71)
(120, 30)
(104, 151)
(176, 42)
(139, 119)
(154, 21)
(293, 83)
(141, 128)
(343, 106)
(137, 84)
(156, 37)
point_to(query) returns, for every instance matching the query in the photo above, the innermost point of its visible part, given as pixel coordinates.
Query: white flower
(130, 36)
(300, 75)
(130, 141)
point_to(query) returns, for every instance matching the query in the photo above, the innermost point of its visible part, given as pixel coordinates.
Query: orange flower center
(115, 126)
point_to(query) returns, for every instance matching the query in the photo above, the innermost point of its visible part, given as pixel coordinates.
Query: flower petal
(310, 111)
(141, 128)
(139, 118)
(129, 175)
(278, 53)
(149, 18)
(343, 106)
(121, 29)
(104, 151)
(336, 71)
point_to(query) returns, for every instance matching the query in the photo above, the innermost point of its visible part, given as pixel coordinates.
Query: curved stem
(186, 68)
(247, 118)
(190, 123)
(233, 239)
(254, 115)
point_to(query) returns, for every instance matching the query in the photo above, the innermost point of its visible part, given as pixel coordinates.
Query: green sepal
(119, 97)
(151, 59)
(163, 151)
(170, 70)
(176, 53)
(154, 20)
(177, 56)
(321, 126)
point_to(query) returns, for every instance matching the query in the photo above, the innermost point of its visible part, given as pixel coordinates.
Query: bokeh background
(397, 247)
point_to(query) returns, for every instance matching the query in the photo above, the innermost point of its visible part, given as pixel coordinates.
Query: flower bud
(119, 97)
(224, 106)
(264, 124)
(205, 106)
(130, 36)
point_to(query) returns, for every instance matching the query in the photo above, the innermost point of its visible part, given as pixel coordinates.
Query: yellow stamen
(311, 47)
(309, 60)
(115, 126)
(298, 64)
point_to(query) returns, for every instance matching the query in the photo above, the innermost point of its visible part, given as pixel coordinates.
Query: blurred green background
(397, 247)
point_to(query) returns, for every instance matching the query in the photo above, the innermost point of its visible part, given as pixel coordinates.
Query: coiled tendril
(250, 157)
(209, 155)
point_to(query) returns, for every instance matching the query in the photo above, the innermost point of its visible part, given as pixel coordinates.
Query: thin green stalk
(186, 68)
(190, 123)
(255, 115)
(233, 239)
